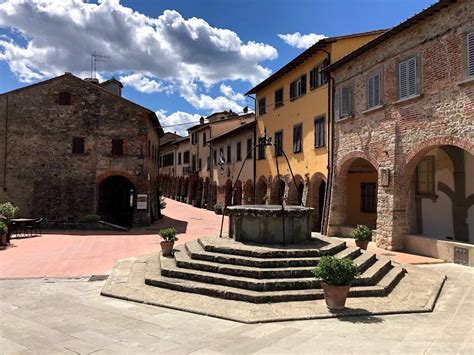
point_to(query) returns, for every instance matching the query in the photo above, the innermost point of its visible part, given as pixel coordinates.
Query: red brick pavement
(84, 253)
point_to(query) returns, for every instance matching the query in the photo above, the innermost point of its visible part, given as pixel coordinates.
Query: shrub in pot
(362, 235)
(336, 276)
(3, 233)
(169, 237)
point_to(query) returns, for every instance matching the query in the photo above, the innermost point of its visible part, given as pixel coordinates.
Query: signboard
(461, 256)
(142, 201)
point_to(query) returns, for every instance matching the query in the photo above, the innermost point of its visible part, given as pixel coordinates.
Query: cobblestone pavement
(68, 316)
(83, 253)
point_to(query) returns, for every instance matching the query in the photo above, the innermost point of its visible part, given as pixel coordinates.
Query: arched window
(64, 98)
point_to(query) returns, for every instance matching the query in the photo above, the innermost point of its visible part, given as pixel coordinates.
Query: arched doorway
(278, 191)
(116, 200)
(228, 193)
(192, 189)
(238, 193)
(361, 194)
(261, 191)
(316, 196)
(248, 192)
(441, 194)
(295, 192)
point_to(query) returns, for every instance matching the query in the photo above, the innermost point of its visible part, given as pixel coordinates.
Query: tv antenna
(94, 59)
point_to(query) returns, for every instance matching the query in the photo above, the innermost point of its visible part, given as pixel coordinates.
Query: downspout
(6, 147)
(254, 156)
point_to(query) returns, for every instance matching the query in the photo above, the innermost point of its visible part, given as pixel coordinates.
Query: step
(348, 253)
(383, 287)
(196, 252)
(364, 261)
(170, 269)
(183, 260)
(313, 248)
(374, 273)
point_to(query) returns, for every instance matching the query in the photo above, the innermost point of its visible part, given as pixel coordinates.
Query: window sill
(408, 99)
(373, 109)
(279, 106)
(466, 81)
(320, 146)
(346, 118)
(299, 151)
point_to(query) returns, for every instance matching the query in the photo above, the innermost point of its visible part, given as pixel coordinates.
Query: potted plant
(336, 276)
(169, 237)
(3, 233)
(218, 207)
(362, 235)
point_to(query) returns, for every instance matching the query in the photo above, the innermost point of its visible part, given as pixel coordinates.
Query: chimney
(201, 120)
(113, 85)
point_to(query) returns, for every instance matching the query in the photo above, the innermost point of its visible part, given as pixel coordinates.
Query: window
(239, 151)
(221, 156)
(168, 159)
(208, 163)
(279, 143)
(200, 164)
(298, 87)
(78, 145)
(261, 106)
(249, 148)
(186, 157)
(368, 197)
(229, 154)
(179, 158)
(204, 139)
(64, 98)
(193, 163)
(319, 132)
(279, 98)
(373, 90)
(117, 146)
(317, 77)
(343, 102)
(470, 54)
(194, 138)
(407, 78)
(425, 174)
(215, 157)
(297, 136)
(261, 148)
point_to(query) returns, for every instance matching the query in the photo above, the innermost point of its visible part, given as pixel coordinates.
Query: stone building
(230, 150)
(72, 148)
(404, 134)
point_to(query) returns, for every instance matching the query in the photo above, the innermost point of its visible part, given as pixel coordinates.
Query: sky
(182, 59)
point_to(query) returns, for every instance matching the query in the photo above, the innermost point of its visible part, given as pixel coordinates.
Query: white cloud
(200, 101)
(230, 93)
(301, 41)
(151, 54)
(176, 120)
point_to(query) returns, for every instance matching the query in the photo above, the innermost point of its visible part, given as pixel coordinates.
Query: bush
(8, 210)
(3, 228)
(168, 234)
(336, 272)
(362, 233)
(91, 218)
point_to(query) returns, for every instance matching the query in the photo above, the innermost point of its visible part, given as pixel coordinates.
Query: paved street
(83, 253)
(69, 316)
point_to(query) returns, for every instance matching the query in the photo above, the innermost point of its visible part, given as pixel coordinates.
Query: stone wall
(43, 177)
(395, 136)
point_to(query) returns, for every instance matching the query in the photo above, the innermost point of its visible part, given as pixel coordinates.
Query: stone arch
(184, 189)
(315, 199)
(117, 200)
(199, 188)
(205, 193)
(278, 191)
(228, 193)
(261, 191)
(238, 193)
(295, 193)
(248, 193)
(192, 189)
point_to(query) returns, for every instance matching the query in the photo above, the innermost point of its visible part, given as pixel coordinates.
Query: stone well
(263, 224)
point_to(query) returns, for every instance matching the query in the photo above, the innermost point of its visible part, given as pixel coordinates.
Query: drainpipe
(6, 146)
(254, 152)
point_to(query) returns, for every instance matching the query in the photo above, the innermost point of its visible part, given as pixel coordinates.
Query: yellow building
(293, 108)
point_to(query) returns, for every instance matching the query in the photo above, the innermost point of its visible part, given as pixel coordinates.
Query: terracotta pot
(166, 248)
(362, 244)
(335, 296)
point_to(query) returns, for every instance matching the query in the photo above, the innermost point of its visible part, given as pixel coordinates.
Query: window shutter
(336, 104)
(470, 53)
(403, 79)
(376, 89)
(412, 76)
(408, 76)
(292, 90)
(312, 75)
(370, 92)
(346, 104)
(303, 84)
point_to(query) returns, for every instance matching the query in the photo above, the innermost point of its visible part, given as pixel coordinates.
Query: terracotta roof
(233, 131)
(304, 56)
(420, 16)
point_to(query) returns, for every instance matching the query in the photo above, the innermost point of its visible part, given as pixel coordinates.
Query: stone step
(196, 252)
(374, 273)
(313, 248)
(183, 260)
(364, 260)
(383, 287)
(348, 253)
(170, 269)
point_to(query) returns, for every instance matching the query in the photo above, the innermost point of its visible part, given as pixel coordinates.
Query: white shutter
(370, 92)
(345, 101)
(470, 54)
(336, 104)
(412, 76)
(403, 79)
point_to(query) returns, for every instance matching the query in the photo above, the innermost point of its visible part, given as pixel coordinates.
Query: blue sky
(199, 57)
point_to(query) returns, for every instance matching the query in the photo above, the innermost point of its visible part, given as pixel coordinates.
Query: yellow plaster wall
(354, 214)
